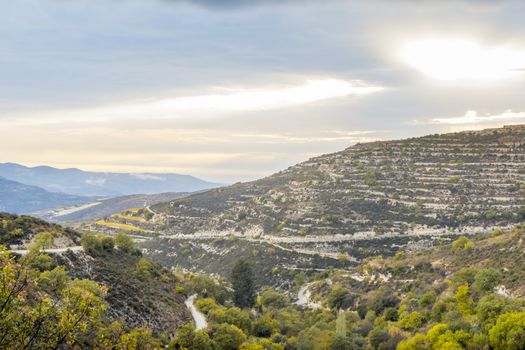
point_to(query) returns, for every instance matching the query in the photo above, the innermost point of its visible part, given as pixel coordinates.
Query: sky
(235, 90)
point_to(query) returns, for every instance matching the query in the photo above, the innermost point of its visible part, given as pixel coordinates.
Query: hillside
(18, 232)
(371, 198)
(501, 250)
(138, 293)
(468, 179)
(85, 183)
(104, 207)
(463, 295)
(16, 197)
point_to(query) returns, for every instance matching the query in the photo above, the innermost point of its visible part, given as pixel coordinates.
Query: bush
(509, 332)
(487, 279)
(490, 215)
(93, 243)
(411, 320)
(272, 298)
(521, 213)
(143, 269)
(462, 244)
(265, 327)
(491, 306)
(228, 337)
(107, 243)
(371, 177)
(339, 298)
(124, 243)
(391, 314)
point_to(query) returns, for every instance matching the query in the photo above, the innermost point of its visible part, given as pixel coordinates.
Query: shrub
(124, 243)
(265, 327)
(462, 244)
(272, 298)
(371, 177)
(509, 332)
(228, 337)
(487, 279)
(411, 320)
(339, 298)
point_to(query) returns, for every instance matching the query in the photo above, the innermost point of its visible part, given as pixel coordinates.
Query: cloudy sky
(234, 90)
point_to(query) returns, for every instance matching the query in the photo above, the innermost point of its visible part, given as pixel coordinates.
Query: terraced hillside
(460, 180)
(421, 187)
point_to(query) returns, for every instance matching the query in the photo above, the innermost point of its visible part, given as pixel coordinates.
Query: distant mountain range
(20, 198)
(98, 184)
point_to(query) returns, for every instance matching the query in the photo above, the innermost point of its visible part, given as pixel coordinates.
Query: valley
(318, 256)
(262, 175)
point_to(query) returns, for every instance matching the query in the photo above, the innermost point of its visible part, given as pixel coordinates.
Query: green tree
(143, 269)
(411, 320)
(202, 341)
(91, 243)
(138, 339)
(371, 177)
(228, 337)
(242, 283)
(491, 306)
(43, 240)
(124, 242)
(487, 279)
(509, 332)
(30, 318)
(272, 298)
(340, 323)
(521, 213)
(340, 342)
(338, 298)
(462, 244)
(107, 243)
(265, 327)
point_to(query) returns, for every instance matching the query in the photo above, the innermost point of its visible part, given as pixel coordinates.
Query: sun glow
(462, 59)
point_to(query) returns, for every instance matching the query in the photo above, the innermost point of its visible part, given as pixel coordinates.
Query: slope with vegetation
(466, 295)
(458, 181)
(18, 232)
(371, 198)
(106, 296)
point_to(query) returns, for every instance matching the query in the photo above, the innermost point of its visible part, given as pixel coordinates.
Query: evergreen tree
(242, 282)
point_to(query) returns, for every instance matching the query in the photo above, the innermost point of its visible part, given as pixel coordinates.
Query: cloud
(149, 177)
(462, 59)
(96, 182)
(472, 117)
(319, 137)
(212, 105)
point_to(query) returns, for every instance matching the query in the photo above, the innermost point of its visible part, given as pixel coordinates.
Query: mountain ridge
(21, 198)
(102, 184)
